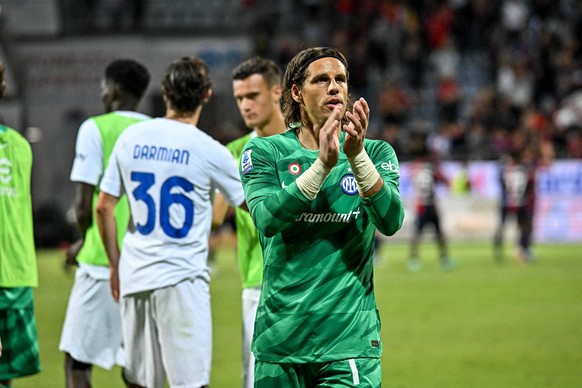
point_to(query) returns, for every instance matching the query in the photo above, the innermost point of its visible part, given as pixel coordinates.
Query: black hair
(129, 75)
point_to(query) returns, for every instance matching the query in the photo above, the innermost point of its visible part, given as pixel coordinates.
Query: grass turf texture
(481, 325)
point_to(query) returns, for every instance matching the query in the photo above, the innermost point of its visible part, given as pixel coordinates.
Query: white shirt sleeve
(88, 163)
(227, 178)
(111, 182)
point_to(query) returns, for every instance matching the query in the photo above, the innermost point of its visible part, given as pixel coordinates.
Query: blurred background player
(425, 176)
(92, 328)
(517, 178)
(317, 194)
(461, 182)
(18, 269)
(256, 85)
(170, 170)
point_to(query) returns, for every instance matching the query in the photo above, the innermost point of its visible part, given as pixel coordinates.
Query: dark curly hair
(185, 84)
(130, 76)
(296, 73)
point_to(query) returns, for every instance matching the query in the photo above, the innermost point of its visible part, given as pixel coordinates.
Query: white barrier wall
(474, 215)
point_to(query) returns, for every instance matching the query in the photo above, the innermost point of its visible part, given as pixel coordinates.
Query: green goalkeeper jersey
(17, 251)
(317, 297)
(250, 256)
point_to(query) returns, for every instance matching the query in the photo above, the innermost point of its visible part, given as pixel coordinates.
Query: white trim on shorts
(355, 373)
(250, 303)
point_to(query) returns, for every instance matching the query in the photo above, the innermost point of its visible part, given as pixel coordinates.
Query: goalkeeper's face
(325, 88)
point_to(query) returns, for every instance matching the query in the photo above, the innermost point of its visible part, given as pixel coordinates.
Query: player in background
(18, 269)
(92, 329)
(256, 85)
(317, 193)
(461, 183)
(517, 179)
(169, 169)
(426, 175)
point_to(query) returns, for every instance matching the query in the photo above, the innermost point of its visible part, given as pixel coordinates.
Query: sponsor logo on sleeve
(246, 163)
(389, 166)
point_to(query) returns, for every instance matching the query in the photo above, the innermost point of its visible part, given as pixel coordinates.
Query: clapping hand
(356, 128)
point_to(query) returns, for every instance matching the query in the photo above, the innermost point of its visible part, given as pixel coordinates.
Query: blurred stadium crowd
(477, 77)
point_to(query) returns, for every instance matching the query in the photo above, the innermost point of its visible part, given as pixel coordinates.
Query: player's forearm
(274, 213)
(83, 223)
(219, 210)
(108, 232)
(385, 209)
(105, 218)
(84, 207)
(367, 177)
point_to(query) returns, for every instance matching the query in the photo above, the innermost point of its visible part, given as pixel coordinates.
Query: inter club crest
(348, 184)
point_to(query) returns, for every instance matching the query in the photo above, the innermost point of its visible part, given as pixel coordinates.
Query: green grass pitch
(481, 325)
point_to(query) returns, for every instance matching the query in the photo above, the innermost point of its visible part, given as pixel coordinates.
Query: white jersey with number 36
(169, 171)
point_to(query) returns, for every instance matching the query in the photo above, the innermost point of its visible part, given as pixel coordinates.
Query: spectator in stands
(449, 100)
(568, 121)
(393, 104)
(515, 83)
(514, 18)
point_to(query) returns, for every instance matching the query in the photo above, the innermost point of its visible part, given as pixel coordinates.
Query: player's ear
(277, 92)
(166, 100)
(116, 89)
(207, 96)
(114, 92)
(296, 93)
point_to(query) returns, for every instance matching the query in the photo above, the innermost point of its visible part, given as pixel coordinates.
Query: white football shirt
(169, 171)
(88, 168)
(88, 164)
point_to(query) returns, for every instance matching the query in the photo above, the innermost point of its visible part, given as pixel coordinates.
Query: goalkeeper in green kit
(317, 193)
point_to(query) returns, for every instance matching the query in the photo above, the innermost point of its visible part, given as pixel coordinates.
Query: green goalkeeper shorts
(355, 372)
(20, 356)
